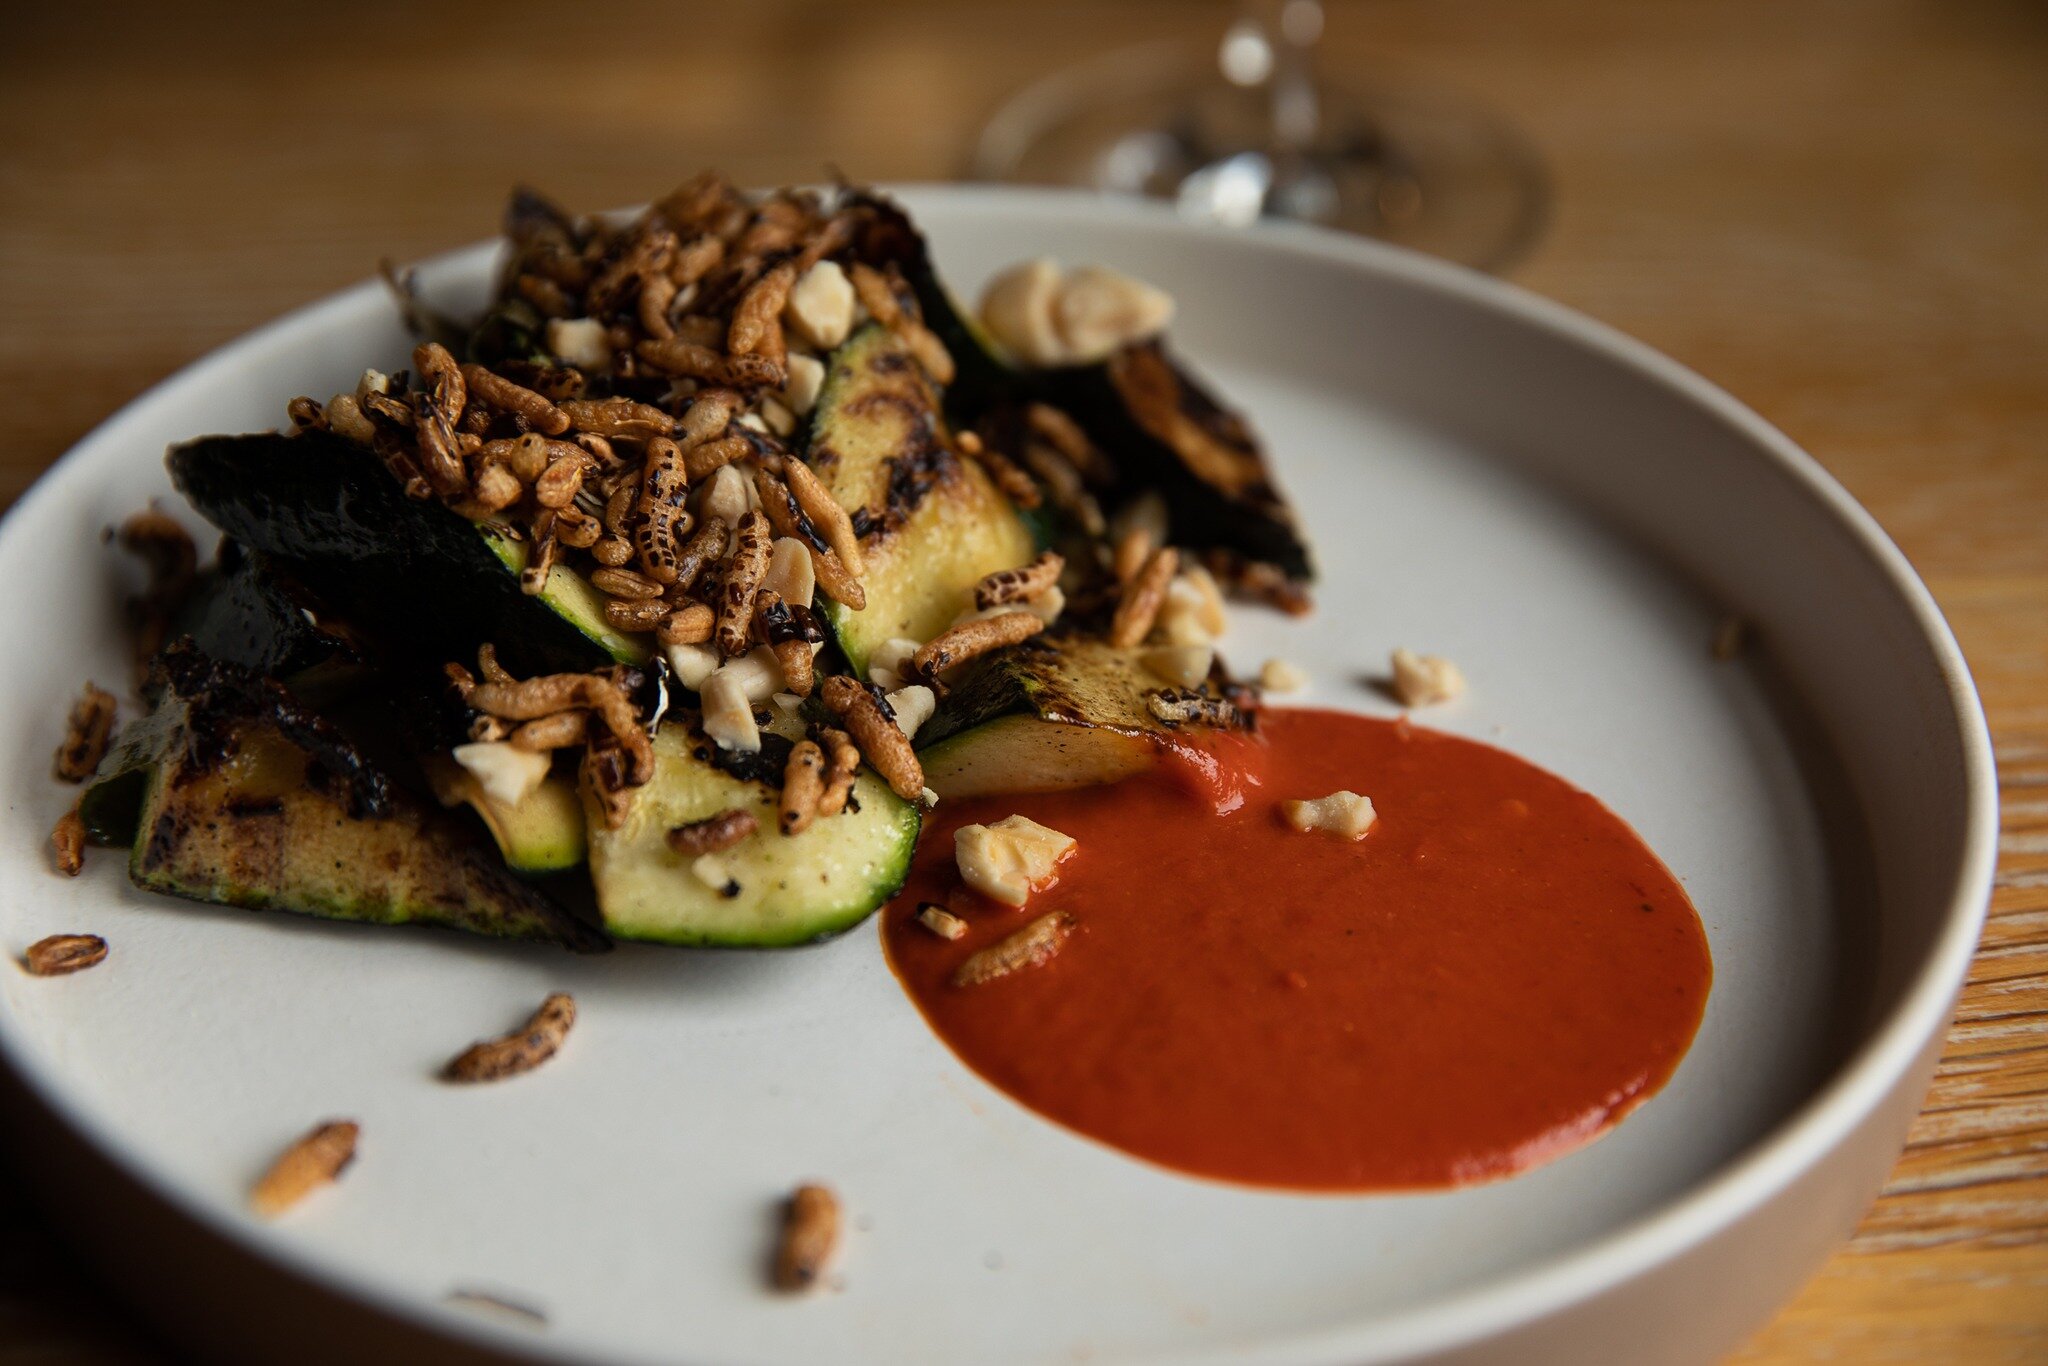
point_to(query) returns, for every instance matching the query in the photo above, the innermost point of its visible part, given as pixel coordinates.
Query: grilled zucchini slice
(251, 801)
(770, 889)
(932, 524)
(1052, 713)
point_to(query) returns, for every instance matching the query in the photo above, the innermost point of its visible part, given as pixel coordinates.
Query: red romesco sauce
(1496, 974)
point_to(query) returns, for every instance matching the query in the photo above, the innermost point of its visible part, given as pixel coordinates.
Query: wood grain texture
(1835, 208)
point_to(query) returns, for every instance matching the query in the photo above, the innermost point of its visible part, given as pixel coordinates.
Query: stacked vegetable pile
(659, 601)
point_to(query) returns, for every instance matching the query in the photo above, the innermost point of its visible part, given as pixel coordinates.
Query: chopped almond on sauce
(1009, 860)
(1422, 680)
(940, 921)
(1344, 814)
(1184, 666)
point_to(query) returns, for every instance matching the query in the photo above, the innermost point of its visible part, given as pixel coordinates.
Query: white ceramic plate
(1484, 475)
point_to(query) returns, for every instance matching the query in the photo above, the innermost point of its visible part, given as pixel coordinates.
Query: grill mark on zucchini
(250, 800)
(931, 525)
(921, 465)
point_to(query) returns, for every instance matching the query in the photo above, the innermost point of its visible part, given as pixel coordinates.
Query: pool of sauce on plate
(1499, 972)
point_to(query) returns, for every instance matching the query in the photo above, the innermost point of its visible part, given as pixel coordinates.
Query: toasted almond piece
(790, 575)
(725, 495)
(820, 306)
(806, 380)
(524, 1049)
(508, 772)
(940, 921)
(1422, 680)
(1193, 611)
(1278, 675)
(1098, 311)
(913, 706)
(692, 663)
(580, 342)
(1036, 943)
(758, 673)
(1017, 310)
(1344, 814)
(728, 716)
(1009, 859)
(1048, 605)
(312, 1162)
(62, 954)
(776, 417)
(1184, 666)
(889, 662)
(710, 870)
(810, 1237)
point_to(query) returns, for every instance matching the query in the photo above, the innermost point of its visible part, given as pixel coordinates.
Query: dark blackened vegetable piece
(980, 380)
(1160, 425)
(247, 611)
(410, 571)
(1164, 430)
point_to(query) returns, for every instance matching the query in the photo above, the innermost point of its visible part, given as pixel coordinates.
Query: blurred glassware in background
(1252, 129)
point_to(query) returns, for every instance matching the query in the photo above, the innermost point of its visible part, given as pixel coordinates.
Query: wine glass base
(1415, 167)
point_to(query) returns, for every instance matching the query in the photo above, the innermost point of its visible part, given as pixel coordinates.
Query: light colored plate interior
(1482, 477)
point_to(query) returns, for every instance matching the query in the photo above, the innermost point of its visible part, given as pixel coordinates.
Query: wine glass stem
(1289, 30)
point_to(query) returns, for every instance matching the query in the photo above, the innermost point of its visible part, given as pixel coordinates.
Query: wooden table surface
(1838, 209)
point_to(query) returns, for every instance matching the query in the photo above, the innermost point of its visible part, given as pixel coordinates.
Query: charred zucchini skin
(1155, 419)
(981, 379)
(1062, 677)
(250, 801)
(1055, 712)
(932, 525)
(410, 571)
(1164, 429)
